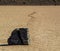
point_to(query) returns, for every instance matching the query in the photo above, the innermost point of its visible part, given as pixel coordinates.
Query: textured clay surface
(43, 23)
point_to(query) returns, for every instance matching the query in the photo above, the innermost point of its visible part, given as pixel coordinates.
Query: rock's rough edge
(29, 2)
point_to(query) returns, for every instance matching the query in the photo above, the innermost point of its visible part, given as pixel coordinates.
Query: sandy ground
(43, 23)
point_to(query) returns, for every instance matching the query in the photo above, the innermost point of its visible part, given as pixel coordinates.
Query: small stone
(18, 37)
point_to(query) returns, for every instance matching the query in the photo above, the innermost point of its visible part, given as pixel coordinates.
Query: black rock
(18, 37)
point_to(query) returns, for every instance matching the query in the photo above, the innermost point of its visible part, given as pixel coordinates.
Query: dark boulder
(18, 37)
